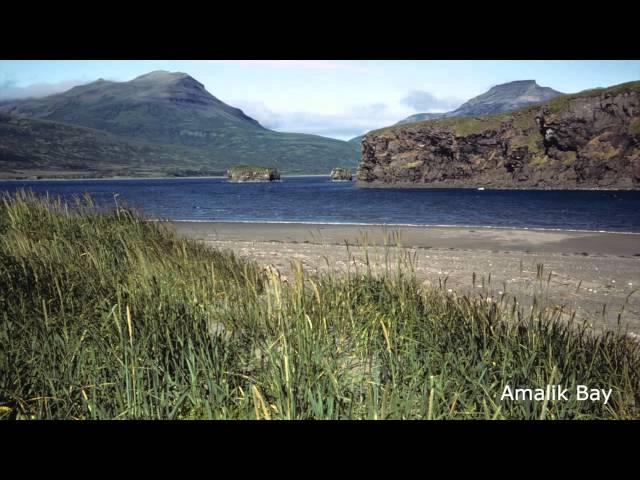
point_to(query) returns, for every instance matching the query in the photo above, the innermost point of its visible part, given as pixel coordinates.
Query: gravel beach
(595, 275)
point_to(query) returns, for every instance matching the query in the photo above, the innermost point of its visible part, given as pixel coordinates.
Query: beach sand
(594, 275)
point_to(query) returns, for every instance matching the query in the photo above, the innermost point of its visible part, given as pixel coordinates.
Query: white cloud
(9, 90)
(422, 101)
(343, 125)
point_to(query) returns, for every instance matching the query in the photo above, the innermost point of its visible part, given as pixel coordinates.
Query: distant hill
(174, 115)
(505, 98)
(421, 117)
(501, 98)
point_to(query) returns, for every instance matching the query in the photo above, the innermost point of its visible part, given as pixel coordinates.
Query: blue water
(318, 200)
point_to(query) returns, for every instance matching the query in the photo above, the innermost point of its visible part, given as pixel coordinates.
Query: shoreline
(455, 186)
(75, 179)
(357, 184)
(582, 273)
(51, 179)
(395, 225)
(419, 236)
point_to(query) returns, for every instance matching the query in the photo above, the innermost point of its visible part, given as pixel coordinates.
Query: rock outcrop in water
(340, 174)
(587, 140)
(250, 173)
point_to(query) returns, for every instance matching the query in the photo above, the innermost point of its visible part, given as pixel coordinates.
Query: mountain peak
(162, 104)
(162, 80)
(516, 85)
(519, 82)
(161, 75)
(505, 97)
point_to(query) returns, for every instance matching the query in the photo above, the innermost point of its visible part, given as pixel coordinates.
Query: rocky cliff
(587, 140)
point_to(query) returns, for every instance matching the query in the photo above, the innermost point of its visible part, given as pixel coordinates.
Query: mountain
(505, 98)
(421, 117)
(160, 106)
(586, 140)
(500, 98)
(173, 111)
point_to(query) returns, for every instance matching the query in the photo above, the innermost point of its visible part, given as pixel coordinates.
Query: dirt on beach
(595, 275)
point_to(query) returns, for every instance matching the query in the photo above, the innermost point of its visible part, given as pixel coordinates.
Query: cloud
(341, 125)
(10, 91)
(296, 64)
(422, 101)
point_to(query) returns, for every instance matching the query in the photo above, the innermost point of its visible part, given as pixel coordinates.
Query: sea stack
(340, 174)
(252, 173)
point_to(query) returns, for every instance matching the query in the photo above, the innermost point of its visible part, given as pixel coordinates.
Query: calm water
(317, 199)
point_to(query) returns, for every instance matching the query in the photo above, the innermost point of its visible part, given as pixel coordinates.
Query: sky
(333, 98)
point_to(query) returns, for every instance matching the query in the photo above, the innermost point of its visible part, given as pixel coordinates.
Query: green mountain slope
(173, 113)
(31, 147)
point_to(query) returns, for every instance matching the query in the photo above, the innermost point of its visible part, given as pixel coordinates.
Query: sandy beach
(594, 275)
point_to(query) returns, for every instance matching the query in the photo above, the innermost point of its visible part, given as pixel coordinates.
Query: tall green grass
(108, 316)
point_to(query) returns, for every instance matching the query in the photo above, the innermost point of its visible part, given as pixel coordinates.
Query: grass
(104, 315)
(538, 161)
(559, 103)
(568, 158)
(523, 119)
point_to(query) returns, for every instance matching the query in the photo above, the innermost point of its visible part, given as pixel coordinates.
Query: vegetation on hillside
(53, 149)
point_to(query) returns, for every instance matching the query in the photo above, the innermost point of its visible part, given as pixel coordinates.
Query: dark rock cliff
(587, 140)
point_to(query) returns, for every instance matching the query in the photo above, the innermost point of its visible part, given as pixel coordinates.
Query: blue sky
(339, 99)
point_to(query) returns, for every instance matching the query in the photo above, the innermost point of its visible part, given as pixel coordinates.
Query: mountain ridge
(172, 111)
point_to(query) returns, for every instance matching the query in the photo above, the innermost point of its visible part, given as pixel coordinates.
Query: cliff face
(586, 140)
